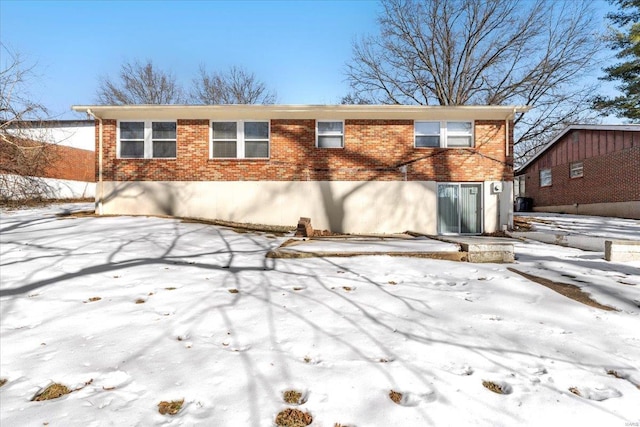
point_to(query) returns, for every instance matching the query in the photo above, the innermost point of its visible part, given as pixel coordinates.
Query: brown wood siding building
(591, 169)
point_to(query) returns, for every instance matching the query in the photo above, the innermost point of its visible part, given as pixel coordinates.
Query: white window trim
(443, 133)
(572, 170)
(240, 140)
(318, 135)
(550, 177)
(148, 139)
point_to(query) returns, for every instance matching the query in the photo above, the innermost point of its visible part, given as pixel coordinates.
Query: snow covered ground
(196, 312)
(602, 226)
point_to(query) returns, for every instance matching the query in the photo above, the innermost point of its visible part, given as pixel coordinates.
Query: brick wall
(47, 160)
(611, 161)
(373, 150)
(71, 163)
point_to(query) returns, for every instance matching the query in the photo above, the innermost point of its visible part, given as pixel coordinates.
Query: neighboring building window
(147, 139)
(443, 134)
(545, 177)
(240, 139)
(576, 169)
(330, 134)
(518, 186)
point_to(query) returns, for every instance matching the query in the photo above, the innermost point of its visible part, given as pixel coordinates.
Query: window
(240, 140)
(147, 139)
(427, 134)
(459, 134)
(519, 186)
(576, 169)
(443, 134)
(330, 134)
(545, 177)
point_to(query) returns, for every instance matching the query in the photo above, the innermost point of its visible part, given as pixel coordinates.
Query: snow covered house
(586, 169)
(350, 168)
(50, 159)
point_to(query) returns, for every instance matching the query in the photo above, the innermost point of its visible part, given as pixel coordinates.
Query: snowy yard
(128, 312)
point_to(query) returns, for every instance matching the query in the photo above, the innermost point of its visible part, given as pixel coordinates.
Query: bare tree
(140, 83)
(235, 86)
(24, 153)
(498, 52)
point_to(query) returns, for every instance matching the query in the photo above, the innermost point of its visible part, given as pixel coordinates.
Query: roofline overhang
(252, 112)
(563, 132)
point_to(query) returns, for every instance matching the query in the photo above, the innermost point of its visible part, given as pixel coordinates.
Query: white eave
(251, 112)
(563, 132)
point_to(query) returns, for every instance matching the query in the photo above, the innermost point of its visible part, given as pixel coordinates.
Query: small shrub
(395, 396)
(293, 397)
(94, 299)
(496, 388)
(575, 391)
(53, 391)
(140, 301)
(3, 381)
(293, 418)
(233, 291)
(170, 408)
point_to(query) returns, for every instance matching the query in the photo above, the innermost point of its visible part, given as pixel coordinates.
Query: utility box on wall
(496, 187)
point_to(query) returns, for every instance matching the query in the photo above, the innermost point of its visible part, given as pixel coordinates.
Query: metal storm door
(459, 208)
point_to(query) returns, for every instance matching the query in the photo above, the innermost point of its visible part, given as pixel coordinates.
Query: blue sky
(298, 48)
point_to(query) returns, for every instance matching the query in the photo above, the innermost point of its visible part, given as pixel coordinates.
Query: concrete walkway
(618, 237)
(472, 249)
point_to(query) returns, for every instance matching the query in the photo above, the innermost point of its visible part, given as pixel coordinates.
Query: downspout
(100, 181)
(507, 139)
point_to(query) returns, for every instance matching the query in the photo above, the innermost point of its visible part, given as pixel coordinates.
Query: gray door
(459, 208)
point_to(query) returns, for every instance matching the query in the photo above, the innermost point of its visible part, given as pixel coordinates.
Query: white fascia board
(320, 112)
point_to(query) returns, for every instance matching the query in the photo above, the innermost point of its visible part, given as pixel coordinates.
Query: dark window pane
(427, 128)
(164, 149)
(256, 149)
(163, 130)
(256, 130)
(330, 141)
(224, 149)
(131, 130)
(330, 128)
(459, 141)
(224, 130)
(427, 141)
(131, 149)
(459, 127)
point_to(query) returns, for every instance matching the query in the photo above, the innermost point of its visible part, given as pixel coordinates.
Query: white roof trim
(239, 112)
(563, 132)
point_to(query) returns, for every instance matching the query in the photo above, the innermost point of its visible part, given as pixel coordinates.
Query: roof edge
(563, 132)
(179, 111)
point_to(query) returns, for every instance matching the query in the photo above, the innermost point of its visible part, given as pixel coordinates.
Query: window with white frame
(452, 134)
(146, 139)
(427, 134)
(240, 139)
(545, 177)
(576, 169)
(329, 134)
